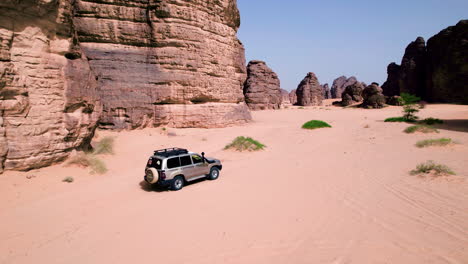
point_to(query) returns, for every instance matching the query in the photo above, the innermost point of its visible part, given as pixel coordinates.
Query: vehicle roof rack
(170, 152)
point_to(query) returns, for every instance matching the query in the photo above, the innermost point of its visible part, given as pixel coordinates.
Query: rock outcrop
(326, 91)
(392, 86)
(373, 96)
(413, 66)
(293, 97)
(67, 66)
(48, 93)
(262, 87)
(447, 65)
(352, 94)
(340, 84)
(437, 72)
(309, 91)
(285, 97)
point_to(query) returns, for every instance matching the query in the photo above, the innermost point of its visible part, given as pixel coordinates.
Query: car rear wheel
(214, 174)
(177, 183)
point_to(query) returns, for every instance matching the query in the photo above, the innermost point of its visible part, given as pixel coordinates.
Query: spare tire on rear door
(151, 175)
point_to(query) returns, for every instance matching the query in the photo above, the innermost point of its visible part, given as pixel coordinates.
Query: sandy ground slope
(335, 195)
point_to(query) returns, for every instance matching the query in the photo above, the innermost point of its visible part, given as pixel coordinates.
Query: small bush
(431, 121)
(432, 167)
(300, 107)
(97, 166)
(245, 144)
(104, 146)
(434, 142)
(420, 128)
(313, 124)
(68, 179)
(398, 119)
(88, 160)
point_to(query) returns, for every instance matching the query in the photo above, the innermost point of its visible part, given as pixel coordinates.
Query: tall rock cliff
(262, 87)
(67, 65)
(413, 66)
(149, 55)
(437, 72)
(48, 102)
(447, 65)
(309, 91)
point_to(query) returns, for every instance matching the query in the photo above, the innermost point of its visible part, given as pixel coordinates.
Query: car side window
(185, 161)
(197, 159)
(173, 163)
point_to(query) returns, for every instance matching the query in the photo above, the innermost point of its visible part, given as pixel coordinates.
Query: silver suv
(174, 167)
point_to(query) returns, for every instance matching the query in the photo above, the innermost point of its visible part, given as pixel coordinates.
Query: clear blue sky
(333, 38)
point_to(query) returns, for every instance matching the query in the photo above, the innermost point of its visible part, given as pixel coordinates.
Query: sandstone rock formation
(352, 94)
(262, 87)
(309, 91)
(67, 65)
(48, 102)
(373, 96)
(413, 65)
(447, 65)
(152, 54)
(340, 84)
(326, 91)
(293, 97)
(437, 72)
(392, 86)
(285, 97)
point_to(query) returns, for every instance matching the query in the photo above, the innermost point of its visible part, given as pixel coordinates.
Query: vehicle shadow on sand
(156, 188)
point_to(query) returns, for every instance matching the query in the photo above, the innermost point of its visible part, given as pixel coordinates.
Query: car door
(187, 167)
(200, 167)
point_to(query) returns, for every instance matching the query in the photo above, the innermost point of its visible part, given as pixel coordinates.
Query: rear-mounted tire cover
(155, 174)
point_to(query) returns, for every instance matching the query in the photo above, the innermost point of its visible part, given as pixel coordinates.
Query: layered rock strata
(262, 87)
(67, 65)
(48, 93)
(309, 91)
(149, 54)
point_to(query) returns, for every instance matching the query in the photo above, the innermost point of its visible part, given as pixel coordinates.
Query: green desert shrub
(420, 128)
(104, 146)
(313, 124)
(431, 121)
(432, 167)
(245, 144)
(97, 165)
(398, 119)
(434, 142)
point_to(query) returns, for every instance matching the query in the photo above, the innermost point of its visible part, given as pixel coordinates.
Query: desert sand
(333, 195)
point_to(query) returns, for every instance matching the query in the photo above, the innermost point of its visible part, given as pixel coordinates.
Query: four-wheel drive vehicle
(174, 167)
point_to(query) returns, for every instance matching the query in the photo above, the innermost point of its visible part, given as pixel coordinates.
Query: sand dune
(334, 195)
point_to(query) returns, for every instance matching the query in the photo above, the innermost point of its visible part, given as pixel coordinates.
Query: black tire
(214, 174)
(177, 183)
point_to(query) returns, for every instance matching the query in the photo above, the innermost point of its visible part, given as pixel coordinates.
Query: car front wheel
(177, 183)
(214, 174)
